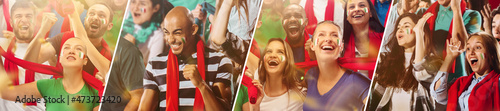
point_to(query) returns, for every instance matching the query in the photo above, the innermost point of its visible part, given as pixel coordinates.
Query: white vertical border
(378, 56)
(248, 53)
(114, 53)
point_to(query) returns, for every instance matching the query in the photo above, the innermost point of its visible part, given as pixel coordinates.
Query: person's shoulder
(160, 58)
(471, 13)
(126, 46)
(47, 82)
(358, 77)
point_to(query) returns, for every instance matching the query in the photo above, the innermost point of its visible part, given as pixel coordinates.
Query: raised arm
(100, 62)
(458, 23)
(438, 88)
(218, 33)
(38, 50)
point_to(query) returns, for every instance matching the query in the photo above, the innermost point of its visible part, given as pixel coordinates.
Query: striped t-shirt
(218, 69)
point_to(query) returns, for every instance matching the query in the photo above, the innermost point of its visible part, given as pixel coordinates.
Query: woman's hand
(260, 96)
(453, 49)
(419, 27)
(420, 38)
(486, 13)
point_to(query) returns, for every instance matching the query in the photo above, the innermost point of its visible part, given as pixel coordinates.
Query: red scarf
(106, 51)
(12, 69)
(252, 90)
(434, 9)
(485, 96)
(173, 80)
(6, 14)
(50, 70)
(350, 51)
(311, 18)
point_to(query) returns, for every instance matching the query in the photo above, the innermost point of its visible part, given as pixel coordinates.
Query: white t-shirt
(6, 105)
(290, 101)
(401, 99)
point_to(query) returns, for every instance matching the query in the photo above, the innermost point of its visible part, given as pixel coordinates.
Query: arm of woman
(218, 33)
(439, 85)
(12, 92)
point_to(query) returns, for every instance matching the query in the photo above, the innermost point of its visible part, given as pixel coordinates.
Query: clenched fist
(191, 73)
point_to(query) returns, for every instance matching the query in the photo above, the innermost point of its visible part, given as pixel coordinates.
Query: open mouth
(70, 58)
(136, 14)
(294, 29)
(273, 63)
(328, 48)
(473, 61)
(356, 16)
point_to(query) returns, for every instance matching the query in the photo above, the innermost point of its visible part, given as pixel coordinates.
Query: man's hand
(311, 53)
(8, 34)
(100, 77)
(48, 20)
(191, 73)
(455, 5)
(197, 13)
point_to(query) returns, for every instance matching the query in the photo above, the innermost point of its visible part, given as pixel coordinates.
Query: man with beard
(190, 76)
(294, 22)
(97, 22)
(22, 21)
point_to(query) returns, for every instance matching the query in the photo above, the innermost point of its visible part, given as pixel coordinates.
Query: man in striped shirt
(179, 32)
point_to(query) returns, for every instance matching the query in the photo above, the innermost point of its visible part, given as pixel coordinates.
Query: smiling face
(22, 23)
(495, 26)
(405, 34)
(358, 12)
(73, 53)
(179, 30)
(327, 42)
(97, 21)
(275, 57)
(143, 10)
(477, 55)
(294, 21)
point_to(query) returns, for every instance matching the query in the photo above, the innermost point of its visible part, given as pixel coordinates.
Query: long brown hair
(492, 49)
(391, 71)
(289, 74)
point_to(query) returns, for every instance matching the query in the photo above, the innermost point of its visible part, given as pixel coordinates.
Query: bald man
(182, 68)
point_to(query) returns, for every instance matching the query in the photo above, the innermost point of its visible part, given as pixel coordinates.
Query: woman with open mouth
(280, 89)
(479, 91)
(362, 31)
(142, 26)
(75, 83)
(403, 73)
